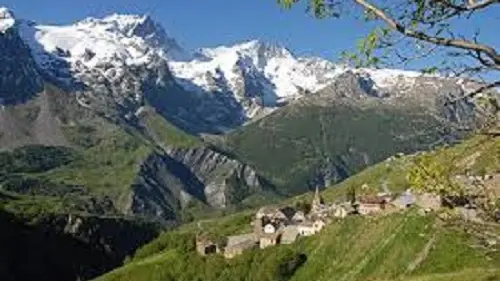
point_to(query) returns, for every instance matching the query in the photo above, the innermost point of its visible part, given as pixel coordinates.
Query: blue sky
(207, 23)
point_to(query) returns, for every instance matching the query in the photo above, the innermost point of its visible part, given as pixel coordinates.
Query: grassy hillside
(165, 133)
(93, 175)
(310, 142)
(478, 155)
(396, 247)
(399, 246)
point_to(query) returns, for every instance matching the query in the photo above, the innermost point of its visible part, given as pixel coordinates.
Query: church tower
(317, 202)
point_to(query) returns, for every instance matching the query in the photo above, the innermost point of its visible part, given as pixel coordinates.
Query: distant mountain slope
(115, 106)
(130, 100)
(324, 138)
(120, 62)
(162, 172)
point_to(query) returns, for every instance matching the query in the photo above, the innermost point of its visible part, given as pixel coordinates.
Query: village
(274, 225)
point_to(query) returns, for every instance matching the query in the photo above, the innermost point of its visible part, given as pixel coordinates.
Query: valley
(117, 144)
(404, 245)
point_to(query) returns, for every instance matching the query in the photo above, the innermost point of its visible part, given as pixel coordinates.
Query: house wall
(318, 226)
(428, 201)
(267, 242)
(307, 230)
(340, 213)
(231, 253)
(366, 209)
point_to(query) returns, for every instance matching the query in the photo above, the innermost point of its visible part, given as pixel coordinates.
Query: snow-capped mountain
(255, 72)
(127, 39)
(107, 62)
(268, 75)
(124, 61)
(6, 19)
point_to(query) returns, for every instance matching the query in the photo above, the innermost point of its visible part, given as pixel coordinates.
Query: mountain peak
(122, 23)
(142, 26)
(7, 19)
(252, 48)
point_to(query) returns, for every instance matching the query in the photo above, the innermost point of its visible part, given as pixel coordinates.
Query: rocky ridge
(121, 62)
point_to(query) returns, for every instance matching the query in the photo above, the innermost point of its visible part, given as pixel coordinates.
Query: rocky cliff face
(433, 96)
(19, 78)
(168, 183)
(221, 175)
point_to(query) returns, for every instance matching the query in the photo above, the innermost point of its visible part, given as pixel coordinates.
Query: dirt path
(422, 255)
(351, 275)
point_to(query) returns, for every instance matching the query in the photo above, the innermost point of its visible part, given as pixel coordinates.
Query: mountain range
(177, 128)
(113, 121)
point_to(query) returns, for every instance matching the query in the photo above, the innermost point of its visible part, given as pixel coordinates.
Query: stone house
(428, 202)
(406, 200)
(238, 249)
(469, 214)
(318, 225)
(371, 205)
(306, 229)
(298, 217)
(237, 244)
(340, 212)
(271, 239)
(205, 247)
(290, 234)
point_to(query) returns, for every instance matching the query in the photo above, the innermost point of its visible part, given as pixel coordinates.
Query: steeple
(317, 201)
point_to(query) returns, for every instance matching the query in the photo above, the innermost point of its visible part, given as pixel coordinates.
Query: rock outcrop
(168, 183)
(19, 78)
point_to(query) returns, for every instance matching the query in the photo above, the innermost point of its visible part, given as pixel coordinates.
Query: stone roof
(374, 200)
(306, 224)
(241, 246)
(240, 242)
(289, 212)
(299, 215)
(290, 234)
(270, 211)
(239, 239)
(405, 199)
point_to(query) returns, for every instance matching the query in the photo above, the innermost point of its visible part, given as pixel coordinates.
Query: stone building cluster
(274, 225)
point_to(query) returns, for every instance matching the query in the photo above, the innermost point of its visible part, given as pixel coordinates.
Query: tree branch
(480, 5)
(476, 92)
(441, 41)
(470, 6)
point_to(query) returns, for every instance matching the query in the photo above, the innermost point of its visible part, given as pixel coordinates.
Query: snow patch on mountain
(117, 39)
(277, 76)
(386, 78)
(255, 73)
(7, 19)
(229, 84)
(287, 76)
